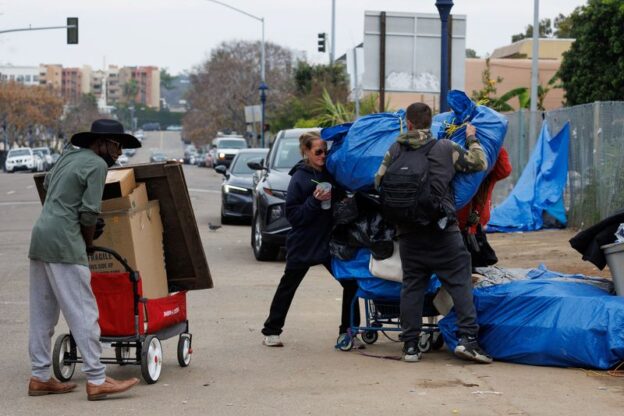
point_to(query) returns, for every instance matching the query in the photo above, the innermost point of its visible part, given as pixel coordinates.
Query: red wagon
(133, 325)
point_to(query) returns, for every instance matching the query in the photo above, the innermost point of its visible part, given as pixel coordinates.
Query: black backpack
(405, 188)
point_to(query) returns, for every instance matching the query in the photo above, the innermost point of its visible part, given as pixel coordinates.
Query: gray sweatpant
(63, 287)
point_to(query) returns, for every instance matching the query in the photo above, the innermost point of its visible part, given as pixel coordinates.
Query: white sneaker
(272, 341)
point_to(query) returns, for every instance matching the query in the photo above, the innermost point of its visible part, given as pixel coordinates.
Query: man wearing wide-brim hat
(60, 279)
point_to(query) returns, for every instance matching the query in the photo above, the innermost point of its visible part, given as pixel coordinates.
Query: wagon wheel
(63, 363)
(151, 359)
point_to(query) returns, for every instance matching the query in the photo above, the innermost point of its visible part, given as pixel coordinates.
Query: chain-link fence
(595, 187)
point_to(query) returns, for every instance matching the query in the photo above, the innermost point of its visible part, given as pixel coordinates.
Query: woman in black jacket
(307, 243)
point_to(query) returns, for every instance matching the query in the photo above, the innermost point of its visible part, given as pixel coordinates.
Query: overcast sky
(179, 34)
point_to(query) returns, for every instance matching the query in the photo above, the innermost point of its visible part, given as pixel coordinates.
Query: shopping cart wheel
(424, 342)
(63, 363)
(344, 342)
(184, 350)
(151, 359)
(438, 341)
(370, 337)
(122, 354)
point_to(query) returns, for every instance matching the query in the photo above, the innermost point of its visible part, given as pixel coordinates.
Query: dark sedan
(236, 190)
(269, 225)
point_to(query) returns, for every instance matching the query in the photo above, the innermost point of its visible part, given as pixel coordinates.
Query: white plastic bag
(388, 269)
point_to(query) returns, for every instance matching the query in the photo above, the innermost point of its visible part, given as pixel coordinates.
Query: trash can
(615, 259)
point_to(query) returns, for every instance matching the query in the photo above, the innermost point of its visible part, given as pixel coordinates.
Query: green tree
(130, 90)
(545, 31)
(79, 117)
(471, 53)
(593, 68)
(563, 26)
(166, 79)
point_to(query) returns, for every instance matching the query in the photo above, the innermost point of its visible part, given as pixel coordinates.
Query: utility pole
(534, 73)
(332, 54)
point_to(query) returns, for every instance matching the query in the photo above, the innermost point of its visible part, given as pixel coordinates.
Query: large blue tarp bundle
(539, 189)
(491, 129)
(549, 319)
(369, 286)
(358, 148)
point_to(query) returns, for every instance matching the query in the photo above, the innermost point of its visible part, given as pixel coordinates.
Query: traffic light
(322, 42)
(72, 30)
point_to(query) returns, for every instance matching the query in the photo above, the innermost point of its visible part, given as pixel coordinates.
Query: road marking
(8, 204)
(10, 192)
(206, 191)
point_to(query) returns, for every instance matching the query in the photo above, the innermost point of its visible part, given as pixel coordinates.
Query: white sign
(253, 114)
(413, 45)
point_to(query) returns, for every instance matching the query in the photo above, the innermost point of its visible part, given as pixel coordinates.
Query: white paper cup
(325, 187)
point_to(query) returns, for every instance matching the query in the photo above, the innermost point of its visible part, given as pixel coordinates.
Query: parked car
(46, 156)
(225, 148)
(158, 157)
(23, 158)
(129, 152)
(174, 127)
(236, 189)
(269, 224)
(151, 126)
(122, 160)
(190, 154)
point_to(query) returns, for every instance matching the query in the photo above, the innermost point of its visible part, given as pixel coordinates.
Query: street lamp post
(263, 86)
(444, 8)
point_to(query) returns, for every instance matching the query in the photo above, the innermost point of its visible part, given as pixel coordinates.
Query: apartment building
(27, 75)
(71, 85)
(51, 76)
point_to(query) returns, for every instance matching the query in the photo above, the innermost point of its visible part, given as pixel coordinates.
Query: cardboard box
(119, 183)
(137, 235)
(135, 200)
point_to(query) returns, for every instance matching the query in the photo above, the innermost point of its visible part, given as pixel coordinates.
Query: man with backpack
(414, 180)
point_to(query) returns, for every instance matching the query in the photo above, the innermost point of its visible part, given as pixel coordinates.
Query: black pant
(286, 292)
(443, 253)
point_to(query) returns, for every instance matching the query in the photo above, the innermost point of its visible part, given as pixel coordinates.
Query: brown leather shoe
(37, 387)
(110, 386)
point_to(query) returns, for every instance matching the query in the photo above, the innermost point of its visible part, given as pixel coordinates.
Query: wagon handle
(134, 276)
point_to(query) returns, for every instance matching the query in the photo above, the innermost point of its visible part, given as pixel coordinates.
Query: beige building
(512, 63)
(51, 75)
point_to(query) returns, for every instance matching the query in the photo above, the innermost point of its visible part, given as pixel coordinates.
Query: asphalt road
(231, 373)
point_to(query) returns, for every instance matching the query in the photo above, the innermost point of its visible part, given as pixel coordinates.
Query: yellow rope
(610, 373)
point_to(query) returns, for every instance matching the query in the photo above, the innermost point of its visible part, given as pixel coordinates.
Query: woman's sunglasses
(319, 152)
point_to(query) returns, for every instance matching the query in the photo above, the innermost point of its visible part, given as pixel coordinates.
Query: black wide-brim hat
(109, 129)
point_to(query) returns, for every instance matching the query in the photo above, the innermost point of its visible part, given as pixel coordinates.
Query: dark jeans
(442, 253)
(286, 292)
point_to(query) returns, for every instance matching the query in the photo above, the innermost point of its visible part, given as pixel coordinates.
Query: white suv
(225, 148)
(23, 159)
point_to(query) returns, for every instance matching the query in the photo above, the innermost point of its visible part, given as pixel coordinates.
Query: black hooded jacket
(307, 243)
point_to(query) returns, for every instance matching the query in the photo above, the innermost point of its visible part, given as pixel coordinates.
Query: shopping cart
(131, 324)
(382, 314)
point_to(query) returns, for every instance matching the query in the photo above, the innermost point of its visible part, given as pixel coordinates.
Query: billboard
(413, 46)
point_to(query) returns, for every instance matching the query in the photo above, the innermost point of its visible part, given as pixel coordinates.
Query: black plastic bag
(345, 211)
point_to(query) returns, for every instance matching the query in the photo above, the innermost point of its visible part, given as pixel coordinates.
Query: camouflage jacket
(445, 159)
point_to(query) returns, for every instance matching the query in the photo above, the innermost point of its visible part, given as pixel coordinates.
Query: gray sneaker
(468, 349)
(272, 341)
(411, 352)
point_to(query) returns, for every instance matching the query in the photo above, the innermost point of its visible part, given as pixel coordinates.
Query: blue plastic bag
(358, 149)
(369, 286)
(491, 129)
(539, 189)
(547, 321)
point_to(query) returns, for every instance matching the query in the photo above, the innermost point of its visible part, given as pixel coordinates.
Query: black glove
(99, 228)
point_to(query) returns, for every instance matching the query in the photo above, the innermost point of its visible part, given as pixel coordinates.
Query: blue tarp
(369, 286)
(539, 189)
(358, 148)
(549, 319)
(491, 129)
